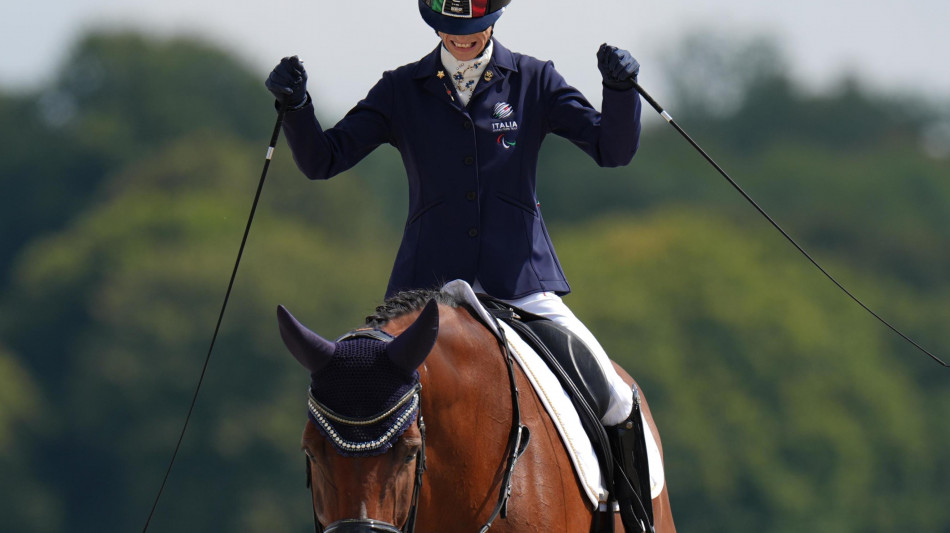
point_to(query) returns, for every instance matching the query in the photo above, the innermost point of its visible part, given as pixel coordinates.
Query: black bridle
(366, 525)
(518, 438)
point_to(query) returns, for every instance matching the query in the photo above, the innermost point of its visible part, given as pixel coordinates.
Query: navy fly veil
(361, 400)
(364, 387)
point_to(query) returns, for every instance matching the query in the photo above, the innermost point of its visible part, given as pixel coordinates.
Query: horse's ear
(410, 349)
(310, 349)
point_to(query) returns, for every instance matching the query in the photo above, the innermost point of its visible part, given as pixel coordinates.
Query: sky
(894, 45)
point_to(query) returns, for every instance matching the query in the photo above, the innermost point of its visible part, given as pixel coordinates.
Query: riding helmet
(461, 17)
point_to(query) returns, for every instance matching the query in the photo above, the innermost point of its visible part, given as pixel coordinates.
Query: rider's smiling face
(466, 47)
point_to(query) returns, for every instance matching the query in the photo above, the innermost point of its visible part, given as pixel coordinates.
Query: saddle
(572, 362)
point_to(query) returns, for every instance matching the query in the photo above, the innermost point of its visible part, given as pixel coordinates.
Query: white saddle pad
(558, 405)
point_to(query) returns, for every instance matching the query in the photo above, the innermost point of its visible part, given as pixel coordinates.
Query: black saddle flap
(577, 361)
(570, 353)
(573, 365)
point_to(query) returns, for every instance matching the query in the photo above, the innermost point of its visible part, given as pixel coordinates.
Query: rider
(468, 120)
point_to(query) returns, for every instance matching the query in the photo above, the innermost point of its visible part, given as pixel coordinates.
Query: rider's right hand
(288, 82)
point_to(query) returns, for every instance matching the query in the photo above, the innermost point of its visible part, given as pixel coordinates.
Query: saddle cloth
(558, 405)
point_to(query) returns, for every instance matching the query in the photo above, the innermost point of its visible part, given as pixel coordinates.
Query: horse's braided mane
(406, 302)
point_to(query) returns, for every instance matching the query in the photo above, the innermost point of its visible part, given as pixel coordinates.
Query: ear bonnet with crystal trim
(364, 389)
(461, 17)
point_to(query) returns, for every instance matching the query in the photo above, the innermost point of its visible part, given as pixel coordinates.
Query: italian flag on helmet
(461, 17)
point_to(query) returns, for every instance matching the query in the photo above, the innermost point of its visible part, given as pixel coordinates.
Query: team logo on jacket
(502, 110)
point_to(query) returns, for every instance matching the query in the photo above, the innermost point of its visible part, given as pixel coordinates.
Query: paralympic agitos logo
(504, 142)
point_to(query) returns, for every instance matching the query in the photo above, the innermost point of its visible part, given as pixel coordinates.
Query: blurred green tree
(132, 290)
(847, 172)
(125, 94)
(26, 504)
(118, 97)
(783, 405)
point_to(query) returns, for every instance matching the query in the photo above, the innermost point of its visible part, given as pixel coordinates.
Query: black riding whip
(666, 116)
(224, 304)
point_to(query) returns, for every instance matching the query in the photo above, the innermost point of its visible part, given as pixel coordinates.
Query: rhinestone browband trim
(316, 406)
(350, 446)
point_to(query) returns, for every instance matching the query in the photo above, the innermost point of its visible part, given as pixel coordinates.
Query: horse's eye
(411, 453)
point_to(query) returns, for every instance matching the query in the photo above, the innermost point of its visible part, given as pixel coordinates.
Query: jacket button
(467, 124)
(469, 160)
(470, 195)
(473, 232)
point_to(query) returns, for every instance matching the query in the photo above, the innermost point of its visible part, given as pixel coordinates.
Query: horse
(418, 422)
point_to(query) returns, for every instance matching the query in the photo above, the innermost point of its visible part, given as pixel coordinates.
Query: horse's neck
(467, 408)
(465, 380)
(467, 412)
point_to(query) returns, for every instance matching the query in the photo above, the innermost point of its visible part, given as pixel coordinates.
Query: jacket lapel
(499, 66)
(434, 78)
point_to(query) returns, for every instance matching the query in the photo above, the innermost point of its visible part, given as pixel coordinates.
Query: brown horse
(437, 364)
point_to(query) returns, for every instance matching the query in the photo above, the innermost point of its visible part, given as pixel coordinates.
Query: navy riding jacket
(473, 211)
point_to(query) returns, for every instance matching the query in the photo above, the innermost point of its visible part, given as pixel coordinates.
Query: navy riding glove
(618, 68)
(288, 82)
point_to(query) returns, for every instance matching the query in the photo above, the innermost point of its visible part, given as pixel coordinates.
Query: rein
(518, 439)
